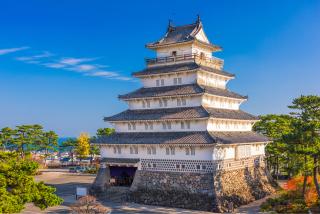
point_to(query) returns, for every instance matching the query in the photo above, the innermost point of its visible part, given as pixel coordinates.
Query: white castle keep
(183, 119)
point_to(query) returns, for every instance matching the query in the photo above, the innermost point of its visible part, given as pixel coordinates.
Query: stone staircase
(116, 194)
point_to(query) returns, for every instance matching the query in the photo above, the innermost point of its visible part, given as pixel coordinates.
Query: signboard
(81, 191)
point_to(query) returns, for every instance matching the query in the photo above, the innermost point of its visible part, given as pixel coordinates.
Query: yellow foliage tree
(83, 145)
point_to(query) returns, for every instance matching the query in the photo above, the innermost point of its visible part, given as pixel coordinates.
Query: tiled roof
(180, 113)
(156, 138)
(172, 138)
(120, 160)
(177, 68)
(238, 137)
(179, 34)
(180, 90)
(230, 114)
(159, 114)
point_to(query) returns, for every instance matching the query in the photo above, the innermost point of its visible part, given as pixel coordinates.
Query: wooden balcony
(199, 59)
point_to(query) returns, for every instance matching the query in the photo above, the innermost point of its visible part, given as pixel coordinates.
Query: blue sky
(63, 63)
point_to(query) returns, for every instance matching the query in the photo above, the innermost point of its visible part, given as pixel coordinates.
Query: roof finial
(198, 18)
(169, 25)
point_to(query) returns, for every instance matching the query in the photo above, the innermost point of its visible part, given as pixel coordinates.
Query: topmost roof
(180, 34)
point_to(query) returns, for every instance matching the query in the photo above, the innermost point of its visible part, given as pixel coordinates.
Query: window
(172, 151)
(129, 126)
(198, 166)
(146, 126)
(131, 150)
(153, 150)
(182, 125)
(167, 151)
(178, 102)
(187, 151)
(178, 166)
(204, 167)
(188, 124)
(169, 125)
(119, 150)
(183, 166)
(174, 53)
(151, 126)
(158, 82)
(114, 150)
(175, 81)
(165, 103)
(154, 165)
(193, 151)
(160, 103)
(133, 126)
(148, 103)
(164, 125)
(143, 104)
(149, 151)
(136, 150)
(162, 82)
(183, 102)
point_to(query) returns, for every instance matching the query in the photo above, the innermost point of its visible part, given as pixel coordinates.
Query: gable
(202, 36)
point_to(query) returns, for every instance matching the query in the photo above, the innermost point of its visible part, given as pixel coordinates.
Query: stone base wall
(242, 186)
(174, 189)
(200, 191)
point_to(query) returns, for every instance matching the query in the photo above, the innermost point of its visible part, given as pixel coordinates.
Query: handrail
(184, 57)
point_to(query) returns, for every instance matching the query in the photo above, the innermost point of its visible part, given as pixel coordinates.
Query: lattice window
(177, 165)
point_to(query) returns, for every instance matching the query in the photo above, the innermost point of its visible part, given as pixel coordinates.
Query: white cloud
(83, 65)
(45, 54)
(75, 61)
(11, 50)
(103, 74)
(54, 65)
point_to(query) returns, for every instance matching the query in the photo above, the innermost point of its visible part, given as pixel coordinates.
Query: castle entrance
(122, 175)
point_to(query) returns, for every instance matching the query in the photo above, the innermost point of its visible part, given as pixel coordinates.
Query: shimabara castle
(184, 142)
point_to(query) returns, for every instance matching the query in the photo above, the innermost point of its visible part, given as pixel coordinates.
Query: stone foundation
(174, 189)
(200, 191)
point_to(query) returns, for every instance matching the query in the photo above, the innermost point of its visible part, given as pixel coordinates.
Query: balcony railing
(184, 58)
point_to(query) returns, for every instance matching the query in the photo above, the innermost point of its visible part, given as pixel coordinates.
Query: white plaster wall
(187, 78)
(201, 153)
(220, 102)
(258, 149)
(202, 36)
(213, 80)
(225, 152)
(229, 125)
(181, 50)
(195, 125)
(171, 102)
(198, 50)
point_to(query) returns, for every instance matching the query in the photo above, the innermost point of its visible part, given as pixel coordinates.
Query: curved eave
(156, 120)
(156, 45)
(136, 74)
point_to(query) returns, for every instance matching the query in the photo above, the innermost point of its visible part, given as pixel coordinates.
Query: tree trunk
(305, 177)
(315, 174)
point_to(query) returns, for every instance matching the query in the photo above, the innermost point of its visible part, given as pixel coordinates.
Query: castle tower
(183, 126)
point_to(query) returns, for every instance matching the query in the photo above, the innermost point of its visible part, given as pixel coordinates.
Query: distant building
(183, 128)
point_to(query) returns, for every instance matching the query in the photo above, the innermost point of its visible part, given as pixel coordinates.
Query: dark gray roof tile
(177, 90)
(180, 113)
(159, 114)
(238, 137)
(156, 138)
(178, 68)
